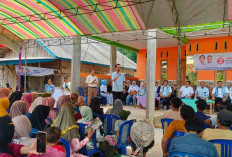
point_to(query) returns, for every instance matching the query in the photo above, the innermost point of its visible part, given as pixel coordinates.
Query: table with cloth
(191, 102)
(142, 100)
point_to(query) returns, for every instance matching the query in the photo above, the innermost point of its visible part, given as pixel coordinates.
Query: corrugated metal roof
(98, 53)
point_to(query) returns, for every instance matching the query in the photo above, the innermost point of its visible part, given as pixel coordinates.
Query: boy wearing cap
(224, 121)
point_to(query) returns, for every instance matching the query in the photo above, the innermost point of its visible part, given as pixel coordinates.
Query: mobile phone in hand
(41, 142)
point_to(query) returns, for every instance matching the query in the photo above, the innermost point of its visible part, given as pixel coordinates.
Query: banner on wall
(34, 71)
(213, 61)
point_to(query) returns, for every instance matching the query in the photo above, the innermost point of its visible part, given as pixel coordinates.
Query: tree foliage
(130, 54)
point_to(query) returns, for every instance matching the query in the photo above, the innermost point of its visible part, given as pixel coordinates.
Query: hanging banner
(213, 61)
(34, 71)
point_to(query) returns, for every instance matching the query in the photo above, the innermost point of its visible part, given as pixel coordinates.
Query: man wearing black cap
(224, 121)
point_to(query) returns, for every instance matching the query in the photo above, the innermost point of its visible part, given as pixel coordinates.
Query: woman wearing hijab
(4, 105)
(117, 108)
(6, 135)
(4, 92)
(18, 108)
(70, 131)
(104, 93)
(62, 100)
(22, 131)
(34, 96)
(87, 118)
(15, 96)
(28, 98)
(87, 115)
(95, 106)
(49, 101)
(38, 117)
(38, 101)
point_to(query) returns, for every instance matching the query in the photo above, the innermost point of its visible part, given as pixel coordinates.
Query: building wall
(170, 55)
(63, 68)
(7, 76)
(207, 45)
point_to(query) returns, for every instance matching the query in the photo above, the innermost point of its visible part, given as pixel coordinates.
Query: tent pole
(25, 68)
(19, 68)
(150, 74)
(178, 61)
(113, 58)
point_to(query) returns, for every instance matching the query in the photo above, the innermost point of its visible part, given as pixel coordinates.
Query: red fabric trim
(59, 148)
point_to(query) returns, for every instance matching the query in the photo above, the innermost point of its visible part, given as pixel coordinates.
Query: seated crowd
(199, 127)
(21, 115)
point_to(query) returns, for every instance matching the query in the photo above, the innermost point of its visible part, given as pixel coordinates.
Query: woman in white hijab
(36, 102)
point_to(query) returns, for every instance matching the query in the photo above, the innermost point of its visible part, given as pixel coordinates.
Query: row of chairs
(226, 145)
(84, 93)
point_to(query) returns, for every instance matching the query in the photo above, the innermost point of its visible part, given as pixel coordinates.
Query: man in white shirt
(202, 92)
(118, 82)
(133, 90)
(165, 93)
(186, 92)
(66, 86)
(91, 81)
(220, 95)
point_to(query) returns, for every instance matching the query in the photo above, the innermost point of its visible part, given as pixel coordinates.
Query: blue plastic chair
(120, 145)
(183, 154)
(167, 121)
(109, 122)
(33, 133)
(102, 98)
(226, 147)
(82, 136)
(230, 128)
(67, 146)
(206, 126)
(175, 134)
(28, 115)
(81, 92)
(48, 119)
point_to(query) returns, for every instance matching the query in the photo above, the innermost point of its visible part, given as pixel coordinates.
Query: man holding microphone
(92, 82)
(118, 80)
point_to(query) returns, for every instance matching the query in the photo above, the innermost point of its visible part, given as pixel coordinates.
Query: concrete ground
(139, 114)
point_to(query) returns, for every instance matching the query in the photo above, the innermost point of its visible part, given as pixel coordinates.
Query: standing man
(220, 94)
(186, 92)
(118, 80)
(202, 92)
(92, 82)
(49, 87)
(165, 93)
(66, 86)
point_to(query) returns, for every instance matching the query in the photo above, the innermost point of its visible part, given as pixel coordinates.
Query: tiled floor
(139, 114)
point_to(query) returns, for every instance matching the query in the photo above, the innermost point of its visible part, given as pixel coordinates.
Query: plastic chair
(48, 119)
(33, 133)
(175, 134)
(102, 98)
(82, 136)
(109, 120)
(67, 146)
(121, 145)
(81, 92)
(183, 154)
(28, 115)
(226, 146)
(167, 121)
(206, 126)
(230, 128)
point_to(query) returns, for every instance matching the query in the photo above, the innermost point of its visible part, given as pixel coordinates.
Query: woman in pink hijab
(28, 98)
(62, 100)
(49, 101)
(4, 92)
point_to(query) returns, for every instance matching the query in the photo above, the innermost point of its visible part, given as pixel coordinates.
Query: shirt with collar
(49, 88)
(186, 91)
(192, 143)
(201, 116)
(202, 92)
(118, 84)
(220, 94)
(90, 79)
